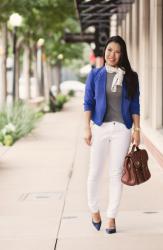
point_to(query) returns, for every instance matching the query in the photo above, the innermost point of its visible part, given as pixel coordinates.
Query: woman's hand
(135, 139)
(88, 135)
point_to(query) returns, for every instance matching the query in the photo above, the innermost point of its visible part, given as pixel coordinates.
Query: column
(135, 35)
(129, 34)
(156, 43)
(113, 25)
(119, 29)
(144, 77)
(124, 28)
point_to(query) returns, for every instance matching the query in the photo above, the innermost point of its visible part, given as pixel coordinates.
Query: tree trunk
(35, 73)
(58, 76)
(18, 47)
(26, 72)
(17, 75)
(40, 71)
(47, 82)
(3, 58)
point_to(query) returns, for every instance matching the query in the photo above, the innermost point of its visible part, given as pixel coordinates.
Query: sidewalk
(43, 203)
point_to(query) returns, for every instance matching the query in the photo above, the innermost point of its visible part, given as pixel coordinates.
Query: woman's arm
(136, 120)
(136, 133)
(87, 119)
(87, 127)
(89, 103)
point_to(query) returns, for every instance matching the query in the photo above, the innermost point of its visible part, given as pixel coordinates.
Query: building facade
(142, 29)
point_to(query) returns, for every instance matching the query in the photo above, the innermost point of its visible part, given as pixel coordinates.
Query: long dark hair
(131, 77)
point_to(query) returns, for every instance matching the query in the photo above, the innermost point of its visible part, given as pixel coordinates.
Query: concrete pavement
(43, 193)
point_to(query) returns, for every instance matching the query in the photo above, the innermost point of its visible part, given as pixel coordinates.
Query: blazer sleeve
(135, 103)
(89, 101)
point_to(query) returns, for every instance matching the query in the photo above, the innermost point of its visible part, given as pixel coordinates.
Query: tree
(45, 19)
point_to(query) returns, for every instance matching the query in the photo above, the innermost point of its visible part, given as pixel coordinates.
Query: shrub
(71, 92)
(17, 121)
(60, 100)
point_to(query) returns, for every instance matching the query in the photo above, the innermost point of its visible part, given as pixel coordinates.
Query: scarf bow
(118, 78)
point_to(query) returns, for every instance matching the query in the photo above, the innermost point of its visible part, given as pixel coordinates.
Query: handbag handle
(133, 147)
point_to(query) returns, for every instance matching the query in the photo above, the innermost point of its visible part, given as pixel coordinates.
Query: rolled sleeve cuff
(135, 111)
(88, 108)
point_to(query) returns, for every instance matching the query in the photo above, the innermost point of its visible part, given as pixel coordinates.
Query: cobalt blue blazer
(95, 98)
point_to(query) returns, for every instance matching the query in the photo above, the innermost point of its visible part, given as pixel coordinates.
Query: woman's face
(112, 54)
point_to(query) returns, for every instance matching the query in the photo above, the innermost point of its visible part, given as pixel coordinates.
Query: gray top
(113, 101)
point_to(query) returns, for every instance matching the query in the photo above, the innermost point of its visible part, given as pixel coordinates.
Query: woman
(111, 101)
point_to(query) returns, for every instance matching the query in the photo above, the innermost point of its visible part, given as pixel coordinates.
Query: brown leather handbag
(135, 168)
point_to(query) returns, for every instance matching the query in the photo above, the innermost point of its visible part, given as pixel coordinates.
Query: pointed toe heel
(97, 225)
(110, 230)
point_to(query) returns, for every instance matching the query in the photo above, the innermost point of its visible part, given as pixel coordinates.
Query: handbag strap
(133, 148)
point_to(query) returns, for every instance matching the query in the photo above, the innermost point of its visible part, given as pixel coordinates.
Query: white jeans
(113, 139)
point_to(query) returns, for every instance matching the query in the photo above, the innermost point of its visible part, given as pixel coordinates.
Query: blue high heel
(97, 225)
(111, 229)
